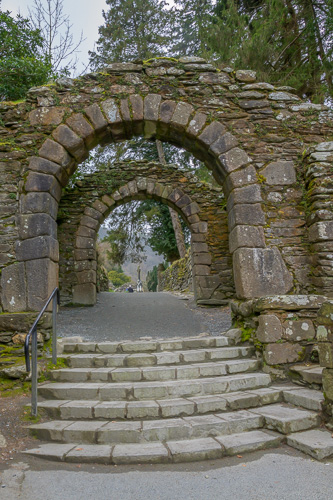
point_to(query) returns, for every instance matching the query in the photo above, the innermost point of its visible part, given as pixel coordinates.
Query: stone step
(153, 390)
(318, 443)
(168, 452)
(200, 355)
(141, 346)
(277, 417)
(157, 373)
(142, 431)
(180, 407)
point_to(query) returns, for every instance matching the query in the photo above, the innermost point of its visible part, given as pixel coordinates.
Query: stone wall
(251, 134)
(178, 276)
(85, 206)
(325, 343)
(284, 329)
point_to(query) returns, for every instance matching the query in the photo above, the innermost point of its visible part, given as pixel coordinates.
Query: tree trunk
(177, 227)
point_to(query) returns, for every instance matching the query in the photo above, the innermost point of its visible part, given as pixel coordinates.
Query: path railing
(55, 297)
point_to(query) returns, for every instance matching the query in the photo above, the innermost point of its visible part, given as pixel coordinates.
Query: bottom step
(172, 451)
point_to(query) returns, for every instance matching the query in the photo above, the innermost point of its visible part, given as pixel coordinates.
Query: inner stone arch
(199, 204)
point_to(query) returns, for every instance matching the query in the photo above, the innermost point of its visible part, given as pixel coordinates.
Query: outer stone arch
(258, 270)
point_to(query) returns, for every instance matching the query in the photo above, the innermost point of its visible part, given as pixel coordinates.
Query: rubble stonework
(251, 135)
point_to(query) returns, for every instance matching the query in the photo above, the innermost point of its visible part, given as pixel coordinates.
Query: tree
(288, 42)
(118, 277)
(22, 62)
(48, 17)
(133, 29)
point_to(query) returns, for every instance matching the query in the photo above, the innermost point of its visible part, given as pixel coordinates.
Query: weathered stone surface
(37, 248)
(33, 225)
(307, 398)
(275, 354)
(211, 133)
(307, 106)
(215, 78)
(192, 59)
(81, 127)
(234, 159)
(299, 330)
(269, 328)
(140, 453)
(286, 420)
(246, 236)
(197, 123)
(324, 146)
(259, 272)
(44, 166)
(84, 294)
(123, 68)
(246, 76)
(96, 117)
(241, 178)
(280, 173)
(46, 116)
(246, 214)
(13, 284)
(196, 449)
(181, 115)
(321, 231)
(32, 203)
(289, 302)
(42, 278)
(318, 443)
(254, 104)
(247, 194)
(71, 141)
(53, 151)
(223, 144)
(283, 96)
(248, 441)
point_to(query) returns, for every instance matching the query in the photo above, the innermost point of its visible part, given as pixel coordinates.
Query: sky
(84, 15)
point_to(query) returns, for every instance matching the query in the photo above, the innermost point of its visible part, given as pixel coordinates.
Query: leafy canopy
(22, 63)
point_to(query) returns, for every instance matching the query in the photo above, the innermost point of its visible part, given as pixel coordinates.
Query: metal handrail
(55, 296)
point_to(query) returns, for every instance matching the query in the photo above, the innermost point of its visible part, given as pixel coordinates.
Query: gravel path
(129, 316)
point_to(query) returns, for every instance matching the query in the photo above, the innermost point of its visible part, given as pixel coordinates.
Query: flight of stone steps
(174, 400)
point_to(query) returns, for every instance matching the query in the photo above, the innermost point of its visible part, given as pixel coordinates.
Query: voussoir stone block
(96, 117)
(234, 159)
(246, 236)
(167, 109)
(81, 127)
(280, 173)
(45, 166)
(70, 140)
(211, 133)
(181, 115)
(224, 143)
(46, 116)
(196, 124)
(54, 151)
(259, 272)
(269, 328)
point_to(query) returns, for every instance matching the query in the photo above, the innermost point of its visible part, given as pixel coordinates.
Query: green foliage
(151, 279)
(133, 29)
(22, 63)
(118, 277)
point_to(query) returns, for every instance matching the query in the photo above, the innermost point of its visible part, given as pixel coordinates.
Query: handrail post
(34, 376)
(54, 328)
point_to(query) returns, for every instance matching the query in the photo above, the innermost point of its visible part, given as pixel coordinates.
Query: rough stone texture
(269, 328)
(276, 354)
(259, 272)
(317, 442)
(280, 173)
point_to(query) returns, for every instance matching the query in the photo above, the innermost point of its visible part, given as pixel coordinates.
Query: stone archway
(225, 119)
(89, 203)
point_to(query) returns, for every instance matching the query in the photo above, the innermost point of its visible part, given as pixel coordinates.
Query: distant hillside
(129, 268)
